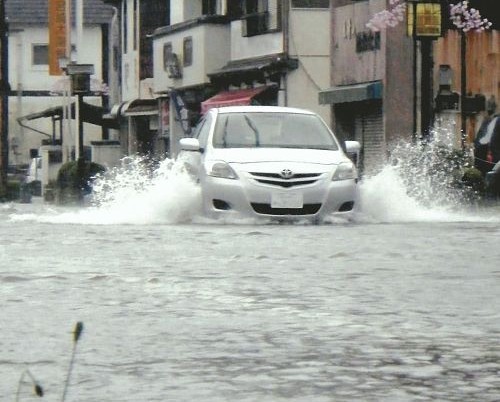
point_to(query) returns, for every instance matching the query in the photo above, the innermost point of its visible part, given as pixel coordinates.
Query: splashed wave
(418, 184)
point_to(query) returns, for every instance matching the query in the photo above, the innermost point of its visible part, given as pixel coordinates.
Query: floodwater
(398, 304)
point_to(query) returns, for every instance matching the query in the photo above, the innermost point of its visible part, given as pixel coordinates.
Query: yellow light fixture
(428, 22)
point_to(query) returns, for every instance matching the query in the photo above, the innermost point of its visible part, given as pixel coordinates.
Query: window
(209, 7)
(272, 130)
(367, 41)
(311, 3)
(40, 55)
(171, 61)
(167, 55)
(152, 14)
(187, 51)
(261, 16)
(203, 130)
(234, 10)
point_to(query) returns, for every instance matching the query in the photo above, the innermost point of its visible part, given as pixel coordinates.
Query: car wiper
(224, 135)
(254, 129)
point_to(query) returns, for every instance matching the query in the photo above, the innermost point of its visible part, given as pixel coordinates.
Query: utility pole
(4, 102)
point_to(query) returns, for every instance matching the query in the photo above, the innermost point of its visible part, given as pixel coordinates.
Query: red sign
(57, 34)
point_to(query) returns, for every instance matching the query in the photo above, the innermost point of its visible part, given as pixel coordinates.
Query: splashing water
(420, 183)
(134, 193)
(138, 193)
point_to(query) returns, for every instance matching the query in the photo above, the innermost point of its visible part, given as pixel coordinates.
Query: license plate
(287, 200)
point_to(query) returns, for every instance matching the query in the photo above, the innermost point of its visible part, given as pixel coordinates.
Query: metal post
(463, 86)
(415, 83)
(4, 107)
(80, 127)
(426, 87)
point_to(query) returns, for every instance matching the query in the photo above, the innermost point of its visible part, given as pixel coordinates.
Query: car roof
(262, 109)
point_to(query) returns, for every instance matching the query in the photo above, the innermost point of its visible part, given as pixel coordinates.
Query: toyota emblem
(286, 173)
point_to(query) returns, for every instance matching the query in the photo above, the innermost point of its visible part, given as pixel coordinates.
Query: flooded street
(399, 304)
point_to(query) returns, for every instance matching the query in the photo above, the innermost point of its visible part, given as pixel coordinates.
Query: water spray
(37, 388)
(76, 336)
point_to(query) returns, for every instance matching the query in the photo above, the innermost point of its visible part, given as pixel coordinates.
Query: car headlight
(220, 169)
(345, 171)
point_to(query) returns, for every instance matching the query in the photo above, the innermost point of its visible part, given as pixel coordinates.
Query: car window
(202, 130)
(272, 130)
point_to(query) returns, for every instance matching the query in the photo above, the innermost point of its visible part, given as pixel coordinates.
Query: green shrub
(71, 186)
(473, 178)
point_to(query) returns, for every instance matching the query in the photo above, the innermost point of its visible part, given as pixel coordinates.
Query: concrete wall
(130, 52)
(398, 85)
(309, 42)
(23, 75)
(348, 66)
(254, 46)
(210, 52)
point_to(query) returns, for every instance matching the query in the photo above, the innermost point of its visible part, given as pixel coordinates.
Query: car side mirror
(352, 149)
(190, 144)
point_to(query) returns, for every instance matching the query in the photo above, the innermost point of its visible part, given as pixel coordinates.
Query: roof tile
(36, 11)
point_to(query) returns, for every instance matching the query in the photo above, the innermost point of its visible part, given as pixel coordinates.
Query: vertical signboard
(57, 34)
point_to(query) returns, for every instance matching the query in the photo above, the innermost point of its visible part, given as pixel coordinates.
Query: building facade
(467, 75)
(372, 78)
(37, 98)
(204, 48)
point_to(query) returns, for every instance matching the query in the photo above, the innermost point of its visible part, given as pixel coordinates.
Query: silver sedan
(269, 161)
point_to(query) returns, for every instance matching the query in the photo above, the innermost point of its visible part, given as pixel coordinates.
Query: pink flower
(388, 18)
(466, 19)
(460, 15)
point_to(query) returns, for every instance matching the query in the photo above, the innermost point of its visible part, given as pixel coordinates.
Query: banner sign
(181, 111)
(57, 34)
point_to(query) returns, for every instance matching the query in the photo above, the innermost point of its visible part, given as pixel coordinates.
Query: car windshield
(272, 130)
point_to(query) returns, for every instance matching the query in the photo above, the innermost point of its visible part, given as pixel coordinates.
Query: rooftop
(36, 11)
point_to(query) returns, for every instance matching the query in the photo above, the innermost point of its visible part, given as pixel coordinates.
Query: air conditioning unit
(474, 104)
(173, 67)
(447, 100)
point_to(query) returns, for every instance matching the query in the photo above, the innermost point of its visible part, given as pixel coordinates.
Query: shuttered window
(261, 16)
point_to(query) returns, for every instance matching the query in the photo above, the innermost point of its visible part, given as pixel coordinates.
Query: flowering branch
(467, 19)
(388, 18)
(460, 15)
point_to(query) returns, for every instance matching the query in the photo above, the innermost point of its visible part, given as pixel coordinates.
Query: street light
(428, 23)
(80, 85)
(424, 25)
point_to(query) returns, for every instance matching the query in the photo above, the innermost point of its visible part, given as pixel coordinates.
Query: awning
(88, 113)
(351, 93)
(140, 107)
(255, 66)
(240, 97)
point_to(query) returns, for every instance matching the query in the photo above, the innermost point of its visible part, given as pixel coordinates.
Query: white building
(212, 49)
(272, 52)
(36, 99)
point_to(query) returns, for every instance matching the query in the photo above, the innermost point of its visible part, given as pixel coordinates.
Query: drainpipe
(285, 15)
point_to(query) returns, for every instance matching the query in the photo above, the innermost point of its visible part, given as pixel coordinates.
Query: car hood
(268, 155)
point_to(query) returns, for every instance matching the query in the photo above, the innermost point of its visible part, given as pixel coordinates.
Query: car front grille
(266, 209)
(275, 179)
